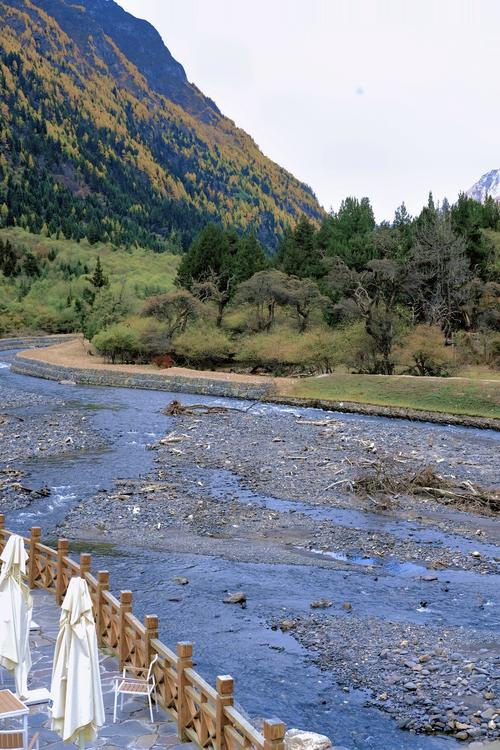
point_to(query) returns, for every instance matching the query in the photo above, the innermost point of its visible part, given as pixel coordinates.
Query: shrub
(133, 340)
(285, 351)
(203, 346)
(424, 353)
(480, 347)
(118, 342)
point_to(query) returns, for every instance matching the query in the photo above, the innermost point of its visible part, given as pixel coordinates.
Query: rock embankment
(34, 342)
(148, 380)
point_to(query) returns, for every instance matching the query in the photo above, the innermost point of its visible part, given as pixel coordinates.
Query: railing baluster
(62, 552)
(185, 660)
(125, 606)
(225, 687)
(151, 625)
(36, 533)
(85, 563)
(274, 734)
(102, 585)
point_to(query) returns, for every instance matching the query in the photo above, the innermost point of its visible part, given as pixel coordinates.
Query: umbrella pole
(81, 742)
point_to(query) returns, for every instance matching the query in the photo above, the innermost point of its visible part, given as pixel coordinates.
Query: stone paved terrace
(133, 728)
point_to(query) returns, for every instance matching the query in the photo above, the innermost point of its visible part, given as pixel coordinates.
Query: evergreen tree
(98, 278)
(466, 220)
(299, 253)
(351, 236)
(8, 259)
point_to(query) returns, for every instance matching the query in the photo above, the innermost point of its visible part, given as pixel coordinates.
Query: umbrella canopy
(78, 709)
(16, 607)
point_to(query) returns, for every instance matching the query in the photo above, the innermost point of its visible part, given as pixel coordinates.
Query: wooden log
(184, 661)
(125, 607)
(274, 734)
(102, 585)
(224, 685)
(62, 552)
(36, 533)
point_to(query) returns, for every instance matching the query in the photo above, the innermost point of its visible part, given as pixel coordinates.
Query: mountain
(101, 134)
(489, 184)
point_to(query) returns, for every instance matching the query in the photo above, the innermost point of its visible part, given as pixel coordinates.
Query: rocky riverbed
(429, 679)
(259, 485)
(28, 431)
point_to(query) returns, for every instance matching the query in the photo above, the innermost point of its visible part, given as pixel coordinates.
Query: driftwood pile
(426, 482)
(176, 409)
(9, 480)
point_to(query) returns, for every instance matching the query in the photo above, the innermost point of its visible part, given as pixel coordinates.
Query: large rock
(297, 739)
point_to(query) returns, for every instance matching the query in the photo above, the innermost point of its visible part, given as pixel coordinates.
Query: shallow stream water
(273, 675)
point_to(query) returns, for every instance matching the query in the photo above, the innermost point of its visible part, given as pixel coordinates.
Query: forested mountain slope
(102, 135)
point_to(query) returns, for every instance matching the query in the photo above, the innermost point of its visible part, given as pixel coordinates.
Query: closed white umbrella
(16, 607)
(77, 709)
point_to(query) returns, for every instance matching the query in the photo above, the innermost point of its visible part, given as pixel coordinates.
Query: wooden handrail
(244, 726)
(215, 722)
(200, 683)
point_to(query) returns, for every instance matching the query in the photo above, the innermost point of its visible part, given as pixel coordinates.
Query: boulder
(321, 604)
(297, 739)
(239, 597)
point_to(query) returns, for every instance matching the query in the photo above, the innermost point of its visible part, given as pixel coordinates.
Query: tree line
(348, 274)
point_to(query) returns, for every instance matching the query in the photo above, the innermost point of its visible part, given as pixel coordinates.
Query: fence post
(274, 734)
(224, 685)
(36, 533)
(151, 625)
(125, 607)
(62, 552)
(184, 661)
(102, 585)
(85, 562)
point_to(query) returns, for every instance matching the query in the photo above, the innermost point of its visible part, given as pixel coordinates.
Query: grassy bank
(471, 397)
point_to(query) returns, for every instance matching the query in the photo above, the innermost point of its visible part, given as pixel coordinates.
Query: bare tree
(216, 288)
(174, 309)
(303, 296)
(441, 274)
(265, 290)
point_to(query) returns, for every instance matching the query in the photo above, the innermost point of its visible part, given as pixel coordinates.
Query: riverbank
(71, 361)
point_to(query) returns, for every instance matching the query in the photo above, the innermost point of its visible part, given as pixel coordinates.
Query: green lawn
(478, 398)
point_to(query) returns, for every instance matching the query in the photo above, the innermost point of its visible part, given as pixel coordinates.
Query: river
(273, 675)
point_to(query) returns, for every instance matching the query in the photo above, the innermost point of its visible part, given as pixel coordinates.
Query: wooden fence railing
(203, 714)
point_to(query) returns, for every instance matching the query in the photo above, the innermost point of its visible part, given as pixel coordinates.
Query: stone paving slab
(133, 728)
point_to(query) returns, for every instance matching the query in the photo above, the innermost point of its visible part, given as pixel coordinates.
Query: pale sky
(384, 98)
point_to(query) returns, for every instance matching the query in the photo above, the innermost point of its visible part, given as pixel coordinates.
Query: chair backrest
(11, 740)
(151, 667)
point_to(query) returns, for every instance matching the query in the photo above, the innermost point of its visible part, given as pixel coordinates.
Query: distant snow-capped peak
(489, 184)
